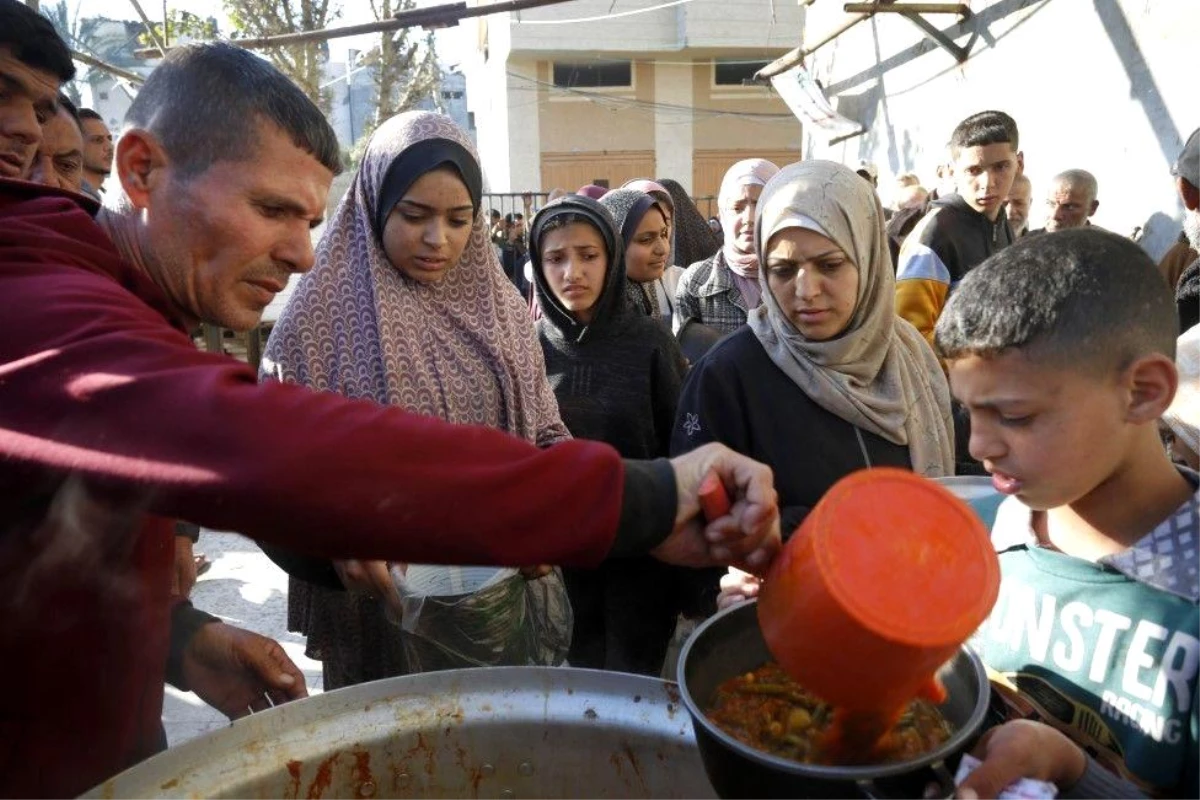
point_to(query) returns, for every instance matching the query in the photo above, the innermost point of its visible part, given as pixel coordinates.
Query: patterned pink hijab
(463, 349)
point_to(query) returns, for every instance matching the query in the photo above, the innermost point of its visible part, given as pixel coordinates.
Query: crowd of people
(428, 397)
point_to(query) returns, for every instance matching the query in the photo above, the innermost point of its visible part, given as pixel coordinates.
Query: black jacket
(617, 379)
(961, 236)
(737, 396)
(1187, 296)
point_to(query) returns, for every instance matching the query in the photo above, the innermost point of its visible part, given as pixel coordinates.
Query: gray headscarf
(880, 374)
(627, 207)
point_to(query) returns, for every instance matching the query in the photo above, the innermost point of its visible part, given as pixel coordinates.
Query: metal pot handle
(945, 784)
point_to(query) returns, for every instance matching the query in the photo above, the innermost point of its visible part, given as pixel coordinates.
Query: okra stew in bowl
(762, 735)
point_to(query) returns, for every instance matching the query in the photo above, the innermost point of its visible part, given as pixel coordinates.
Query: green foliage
(302, 63)
(181, 25)
(406, 71)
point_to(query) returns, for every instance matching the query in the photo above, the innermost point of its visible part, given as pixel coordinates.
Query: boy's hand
(1023, 749)
(737, 586)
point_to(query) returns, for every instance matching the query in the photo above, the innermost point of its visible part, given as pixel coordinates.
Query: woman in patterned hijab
(407, 305)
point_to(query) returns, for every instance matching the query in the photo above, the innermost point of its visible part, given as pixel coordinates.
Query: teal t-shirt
(1106, 652)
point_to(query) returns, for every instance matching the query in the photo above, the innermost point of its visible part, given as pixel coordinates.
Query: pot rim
(858, 773)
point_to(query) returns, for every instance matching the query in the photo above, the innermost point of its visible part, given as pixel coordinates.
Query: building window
(452, 95)
(609, 74)
(734, 72)
(103, 95)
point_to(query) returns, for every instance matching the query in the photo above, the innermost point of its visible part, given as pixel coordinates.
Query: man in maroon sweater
(112, 424)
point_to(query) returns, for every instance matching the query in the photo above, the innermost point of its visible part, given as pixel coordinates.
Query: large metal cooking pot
(498, 732)
(731, 643)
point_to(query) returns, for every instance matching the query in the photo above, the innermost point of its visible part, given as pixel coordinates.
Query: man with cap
(1187, 181)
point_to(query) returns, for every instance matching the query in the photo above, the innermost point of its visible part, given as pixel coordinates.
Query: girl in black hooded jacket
(617, 376)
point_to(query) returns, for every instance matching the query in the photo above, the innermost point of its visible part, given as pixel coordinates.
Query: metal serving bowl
(498, 732)
(730, 643)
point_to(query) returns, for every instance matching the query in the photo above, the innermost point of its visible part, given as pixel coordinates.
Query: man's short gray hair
(1079, 178)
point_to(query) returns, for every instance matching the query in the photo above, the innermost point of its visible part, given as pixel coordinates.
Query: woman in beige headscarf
(825, 379)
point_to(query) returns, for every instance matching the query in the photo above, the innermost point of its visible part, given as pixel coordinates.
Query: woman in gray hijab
(644, 223)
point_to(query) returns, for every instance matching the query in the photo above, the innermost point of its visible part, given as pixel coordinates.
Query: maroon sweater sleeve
(94, 382)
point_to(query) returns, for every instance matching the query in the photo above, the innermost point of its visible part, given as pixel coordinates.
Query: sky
(450, 41)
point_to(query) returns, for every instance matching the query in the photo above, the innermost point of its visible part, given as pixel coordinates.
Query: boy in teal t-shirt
(1062, 349)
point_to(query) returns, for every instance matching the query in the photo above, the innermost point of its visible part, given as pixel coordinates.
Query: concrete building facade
(587, 92)
(1104, 85)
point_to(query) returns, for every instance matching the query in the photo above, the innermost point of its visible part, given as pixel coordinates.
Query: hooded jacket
(617, 378)
(944, 246)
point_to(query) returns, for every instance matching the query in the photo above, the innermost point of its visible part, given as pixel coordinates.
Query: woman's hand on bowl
(736, 587)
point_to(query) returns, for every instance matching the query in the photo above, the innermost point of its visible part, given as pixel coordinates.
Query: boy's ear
(1020, 162)
(1152, 381)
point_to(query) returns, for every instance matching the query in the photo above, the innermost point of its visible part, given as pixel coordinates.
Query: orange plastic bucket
(886, 578)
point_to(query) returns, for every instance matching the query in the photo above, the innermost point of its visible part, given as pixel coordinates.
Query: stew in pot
(769, 711)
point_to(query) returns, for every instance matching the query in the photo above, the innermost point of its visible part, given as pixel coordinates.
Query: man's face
(984, 175)
(28, 99)
(1020, 197)
(223, 243)
(1068, 206)
(59, 159)
(97, 147)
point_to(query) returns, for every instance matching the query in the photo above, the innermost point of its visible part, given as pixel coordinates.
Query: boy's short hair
(984, 128)
(1082, 298)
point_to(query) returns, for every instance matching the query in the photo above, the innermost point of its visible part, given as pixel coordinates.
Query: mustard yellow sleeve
(920, 301)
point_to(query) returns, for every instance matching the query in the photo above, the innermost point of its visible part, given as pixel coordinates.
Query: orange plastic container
(880, 586)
